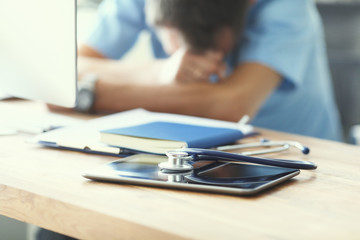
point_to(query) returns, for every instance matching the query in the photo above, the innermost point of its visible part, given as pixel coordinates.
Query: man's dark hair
(200, 20)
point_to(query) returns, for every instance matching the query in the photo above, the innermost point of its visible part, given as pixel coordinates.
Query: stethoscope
(182, 160)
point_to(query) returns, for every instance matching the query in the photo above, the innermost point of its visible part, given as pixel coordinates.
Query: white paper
(87, 134)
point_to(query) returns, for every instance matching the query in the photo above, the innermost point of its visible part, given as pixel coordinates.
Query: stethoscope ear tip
(306, 150)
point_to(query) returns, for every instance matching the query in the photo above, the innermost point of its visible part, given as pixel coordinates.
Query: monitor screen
(38, 50)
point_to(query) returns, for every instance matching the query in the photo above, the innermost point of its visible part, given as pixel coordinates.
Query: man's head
(201, 25)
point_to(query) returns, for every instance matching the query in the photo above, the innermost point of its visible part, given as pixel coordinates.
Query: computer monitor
(38, 50)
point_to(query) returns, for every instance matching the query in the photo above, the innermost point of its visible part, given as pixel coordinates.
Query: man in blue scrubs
(275, 70)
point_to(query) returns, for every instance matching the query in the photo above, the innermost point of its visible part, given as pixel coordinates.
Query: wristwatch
(86, 93)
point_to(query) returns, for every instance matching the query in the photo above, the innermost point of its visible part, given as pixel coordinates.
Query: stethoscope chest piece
(177, 161)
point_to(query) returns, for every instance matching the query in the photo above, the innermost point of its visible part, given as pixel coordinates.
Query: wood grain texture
(44, 187)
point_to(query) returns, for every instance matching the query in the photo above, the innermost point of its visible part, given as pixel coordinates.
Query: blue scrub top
(284, 35)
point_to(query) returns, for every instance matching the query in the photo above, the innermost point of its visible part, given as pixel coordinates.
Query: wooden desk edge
(44, 212)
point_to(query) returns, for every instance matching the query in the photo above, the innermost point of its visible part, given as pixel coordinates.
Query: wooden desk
(44, 187)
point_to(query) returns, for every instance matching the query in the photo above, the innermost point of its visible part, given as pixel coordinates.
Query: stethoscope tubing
(205, 154)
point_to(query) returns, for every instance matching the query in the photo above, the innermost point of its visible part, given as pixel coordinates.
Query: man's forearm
(119, 71)
(196, 99)
(178, 98)
(125, 86)
(242, 93)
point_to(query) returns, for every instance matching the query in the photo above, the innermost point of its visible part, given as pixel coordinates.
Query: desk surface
(44, 187)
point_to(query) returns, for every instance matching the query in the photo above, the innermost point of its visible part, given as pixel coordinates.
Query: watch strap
(87, 84)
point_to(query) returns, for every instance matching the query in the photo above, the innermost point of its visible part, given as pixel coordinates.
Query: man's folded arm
(241, 93)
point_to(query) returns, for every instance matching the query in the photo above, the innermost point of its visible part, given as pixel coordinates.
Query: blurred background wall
(342, 29)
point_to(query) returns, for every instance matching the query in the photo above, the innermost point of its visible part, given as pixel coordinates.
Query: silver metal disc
(171, 167)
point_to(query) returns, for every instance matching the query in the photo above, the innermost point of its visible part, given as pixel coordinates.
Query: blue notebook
(160, 137)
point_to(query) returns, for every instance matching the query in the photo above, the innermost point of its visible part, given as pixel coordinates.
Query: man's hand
(185, 66)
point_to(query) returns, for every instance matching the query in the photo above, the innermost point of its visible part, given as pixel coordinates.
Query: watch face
(85, 100)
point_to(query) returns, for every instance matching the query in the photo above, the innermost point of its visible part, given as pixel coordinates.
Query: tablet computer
(207, 176)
